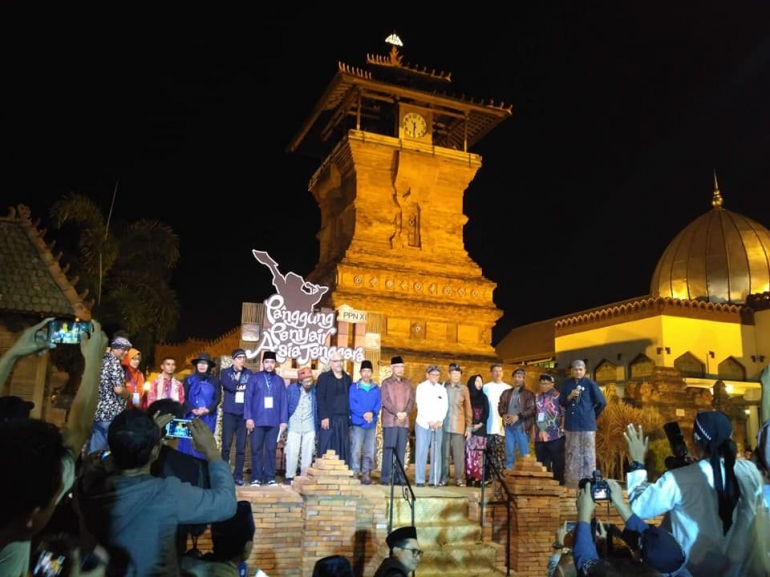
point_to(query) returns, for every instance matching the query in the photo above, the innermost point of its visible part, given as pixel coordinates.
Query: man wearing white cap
(113, 394)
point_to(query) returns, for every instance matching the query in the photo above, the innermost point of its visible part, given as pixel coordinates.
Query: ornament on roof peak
(394, 40)
(716, 200)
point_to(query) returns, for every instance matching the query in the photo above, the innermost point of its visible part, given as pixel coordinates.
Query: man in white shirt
(432, 408)
(495, 429)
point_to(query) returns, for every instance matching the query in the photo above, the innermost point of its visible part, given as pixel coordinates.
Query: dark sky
(619, 116)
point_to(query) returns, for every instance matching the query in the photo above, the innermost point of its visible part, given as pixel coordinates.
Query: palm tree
(126, 267)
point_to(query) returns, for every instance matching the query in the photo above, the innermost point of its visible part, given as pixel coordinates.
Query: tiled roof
(31, 280)
(534, 341)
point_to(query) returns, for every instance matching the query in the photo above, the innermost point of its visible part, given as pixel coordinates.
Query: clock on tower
(415, 124)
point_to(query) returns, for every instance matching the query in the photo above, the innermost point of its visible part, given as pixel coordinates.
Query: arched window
(689, 366)
(731, 370)
(641, 367)
(606, 372)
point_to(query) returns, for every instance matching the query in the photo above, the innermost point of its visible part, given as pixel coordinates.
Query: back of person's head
(166, 407)
(333, 566)
(133, 437)
(712, 432)
(32, 475)
(13, 408)
(233, 538)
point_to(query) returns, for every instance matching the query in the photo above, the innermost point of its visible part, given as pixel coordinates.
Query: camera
(179, 429)
(600, 489)
(679, 457)
(68, 332)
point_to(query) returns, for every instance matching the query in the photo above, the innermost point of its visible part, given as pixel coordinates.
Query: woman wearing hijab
(202, 394)
(711, 505)
(134, 379)
(474, 448)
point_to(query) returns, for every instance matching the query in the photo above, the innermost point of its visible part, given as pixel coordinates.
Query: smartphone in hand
(68, 332)
(179, 429)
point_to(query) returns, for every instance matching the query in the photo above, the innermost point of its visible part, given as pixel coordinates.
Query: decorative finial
(394, 39)
(716, 200)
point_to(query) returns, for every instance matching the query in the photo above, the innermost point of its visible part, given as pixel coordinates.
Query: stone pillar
(535, 515)
(330, 494)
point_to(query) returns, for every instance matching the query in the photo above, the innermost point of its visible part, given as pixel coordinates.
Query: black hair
(166, 407)
(333, 566)
(132, 437)
(229, 537)
(32, 451)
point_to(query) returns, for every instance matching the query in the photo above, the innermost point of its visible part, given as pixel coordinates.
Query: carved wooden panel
(689, 366)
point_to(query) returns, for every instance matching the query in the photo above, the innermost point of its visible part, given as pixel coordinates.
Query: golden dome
(720, 257)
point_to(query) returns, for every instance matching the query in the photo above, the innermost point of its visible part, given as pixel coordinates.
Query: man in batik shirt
(548, 432)
(113, 394)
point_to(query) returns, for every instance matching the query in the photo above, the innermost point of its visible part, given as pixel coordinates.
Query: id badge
(239, 397)
(136, 399)
(268, 402)
(540, 417)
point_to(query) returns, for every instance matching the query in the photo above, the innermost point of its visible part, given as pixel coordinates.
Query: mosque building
(698, 340)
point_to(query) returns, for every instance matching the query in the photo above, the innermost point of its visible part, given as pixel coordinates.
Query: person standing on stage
(334, 410)
(548, 432)
(234, 380)
(266, 411)
(398, 401)
(583, 401)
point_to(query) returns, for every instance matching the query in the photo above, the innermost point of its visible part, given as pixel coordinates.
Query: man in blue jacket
(583, 402)
(365, 404)
(266, 413)
(233, 380)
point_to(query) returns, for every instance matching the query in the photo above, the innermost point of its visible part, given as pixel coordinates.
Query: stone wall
(326, 513)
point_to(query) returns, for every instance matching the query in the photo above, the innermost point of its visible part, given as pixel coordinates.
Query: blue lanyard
(267, 382)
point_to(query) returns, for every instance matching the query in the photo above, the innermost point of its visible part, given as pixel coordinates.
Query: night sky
(619, 117)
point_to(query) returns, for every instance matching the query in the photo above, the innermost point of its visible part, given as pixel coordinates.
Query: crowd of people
(118, 488)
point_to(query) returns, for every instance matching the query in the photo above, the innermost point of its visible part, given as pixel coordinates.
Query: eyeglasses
(415, 552)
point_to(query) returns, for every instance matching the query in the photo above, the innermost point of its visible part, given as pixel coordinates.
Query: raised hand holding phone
(203, 440)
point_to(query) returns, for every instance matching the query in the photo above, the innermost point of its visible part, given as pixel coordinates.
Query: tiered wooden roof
(32, 281)
(366, 99)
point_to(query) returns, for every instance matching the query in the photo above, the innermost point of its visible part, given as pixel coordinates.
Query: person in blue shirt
(583, 402)
(365, 403)
(233, 380)
(267, 414)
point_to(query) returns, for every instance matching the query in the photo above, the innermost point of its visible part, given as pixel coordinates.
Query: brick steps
(452, 540)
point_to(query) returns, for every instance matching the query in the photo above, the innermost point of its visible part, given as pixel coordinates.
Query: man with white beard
(334, 410)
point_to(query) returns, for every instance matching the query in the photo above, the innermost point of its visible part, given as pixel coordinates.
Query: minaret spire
(716, 200)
